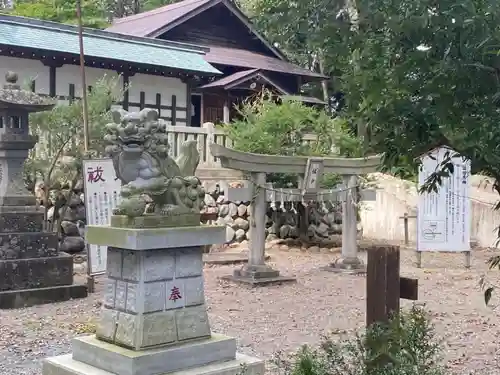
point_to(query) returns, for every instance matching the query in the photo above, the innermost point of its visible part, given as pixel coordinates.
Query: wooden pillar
(382, 283)
(226, 112)
(189, 104)
(173, 120)
(158, 104)
(126, 82)
(71, 92)
(142, 100)
(52, 81)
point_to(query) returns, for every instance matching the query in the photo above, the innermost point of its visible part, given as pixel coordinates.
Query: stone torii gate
(309, 169)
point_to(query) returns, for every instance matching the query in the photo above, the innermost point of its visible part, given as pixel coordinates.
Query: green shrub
(404, 346)
(267, 127)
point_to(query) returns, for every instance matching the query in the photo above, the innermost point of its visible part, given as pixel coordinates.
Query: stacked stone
(236, 217)
(73, 224)
(73, 219)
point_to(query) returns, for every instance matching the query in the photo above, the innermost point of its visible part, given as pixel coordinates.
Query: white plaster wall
(396, 197)
(27, 70)
(165, 86)
(70, 74)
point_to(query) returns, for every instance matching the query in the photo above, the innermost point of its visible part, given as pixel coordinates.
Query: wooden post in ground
(384, 286)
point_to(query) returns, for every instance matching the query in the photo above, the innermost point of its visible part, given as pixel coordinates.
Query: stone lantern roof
(13, 97)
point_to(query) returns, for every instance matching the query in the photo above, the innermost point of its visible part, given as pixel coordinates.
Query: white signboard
(444, 222)
(102, 194)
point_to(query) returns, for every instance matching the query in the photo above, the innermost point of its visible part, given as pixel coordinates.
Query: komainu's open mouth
(132, 142)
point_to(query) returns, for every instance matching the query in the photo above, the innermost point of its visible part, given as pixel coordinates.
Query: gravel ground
(283, 317)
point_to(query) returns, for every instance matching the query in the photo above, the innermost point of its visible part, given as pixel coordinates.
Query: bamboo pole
(84, 81)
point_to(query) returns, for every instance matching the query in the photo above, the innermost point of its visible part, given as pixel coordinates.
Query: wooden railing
(204, 136)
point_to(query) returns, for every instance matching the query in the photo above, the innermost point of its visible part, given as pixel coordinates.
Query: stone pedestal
(32, 270)
(154, 319)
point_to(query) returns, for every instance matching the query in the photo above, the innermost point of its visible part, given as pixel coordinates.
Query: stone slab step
(16, 299)
(227, 257)
(22, 245)
(118, 360)
(32, 273)
(66, 365)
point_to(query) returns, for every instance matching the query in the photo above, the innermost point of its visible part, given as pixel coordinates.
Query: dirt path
(284, 317)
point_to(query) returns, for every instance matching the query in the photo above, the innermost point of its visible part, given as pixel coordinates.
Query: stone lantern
(32, 270)
(15, 141)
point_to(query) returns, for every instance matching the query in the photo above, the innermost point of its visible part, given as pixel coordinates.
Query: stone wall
(316, 222)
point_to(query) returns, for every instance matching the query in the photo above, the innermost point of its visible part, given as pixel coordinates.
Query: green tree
(422, 72)
(267, 127)
(304, 30)
(63, 11)
(57, 159)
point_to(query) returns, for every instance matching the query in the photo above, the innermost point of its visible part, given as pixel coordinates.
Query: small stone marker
(154, 319)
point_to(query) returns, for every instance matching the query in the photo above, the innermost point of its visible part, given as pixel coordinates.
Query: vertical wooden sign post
(384, 286)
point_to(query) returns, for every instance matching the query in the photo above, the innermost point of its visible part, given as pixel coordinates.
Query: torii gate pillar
(349, 262)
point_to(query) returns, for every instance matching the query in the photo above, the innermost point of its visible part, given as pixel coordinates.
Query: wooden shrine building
(45, 55)
(248, 61)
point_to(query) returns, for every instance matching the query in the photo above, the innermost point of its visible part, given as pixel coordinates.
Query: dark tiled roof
(145, 24)
(230, 79)
(253, 60)
(148, 24)
(304, 99)
(238, 78)
(52, 36)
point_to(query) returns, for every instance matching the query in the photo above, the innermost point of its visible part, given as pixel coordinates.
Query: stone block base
(156, 221)
(227, 258)
(166, 359)
(258, 275)
(23, 245)
(66, 365)
(19, 274)
(15, 219)
(15, 299)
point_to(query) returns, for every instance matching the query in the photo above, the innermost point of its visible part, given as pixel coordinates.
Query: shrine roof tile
(51, 36)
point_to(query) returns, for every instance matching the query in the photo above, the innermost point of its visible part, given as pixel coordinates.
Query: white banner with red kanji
(102, 194)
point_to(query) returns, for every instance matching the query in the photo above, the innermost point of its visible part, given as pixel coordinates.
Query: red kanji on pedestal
(175, 294)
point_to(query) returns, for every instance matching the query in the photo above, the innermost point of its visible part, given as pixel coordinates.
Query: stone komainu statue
(153, 183)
